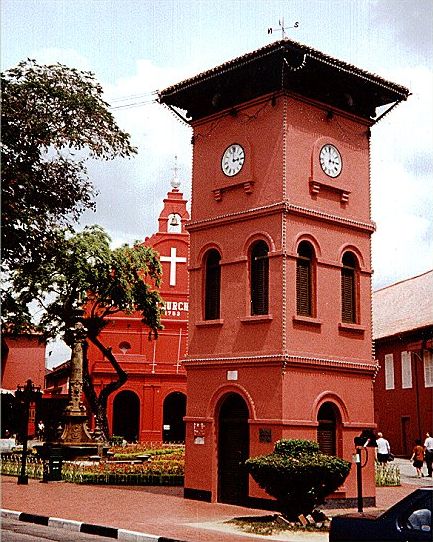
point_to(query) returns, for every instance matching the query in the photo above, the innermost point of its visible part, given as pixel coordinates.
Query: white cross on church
(173, 260)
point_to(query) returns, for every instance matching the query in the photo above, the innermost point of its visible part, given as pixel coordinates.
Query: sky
(135, 47)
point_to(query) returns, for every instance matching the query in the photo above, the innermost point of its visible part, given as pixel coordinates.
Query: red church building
(150, 406)
(279, 338)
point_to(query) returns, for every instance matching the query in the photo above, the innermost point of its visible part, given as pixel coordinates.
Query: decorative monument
(75, 432)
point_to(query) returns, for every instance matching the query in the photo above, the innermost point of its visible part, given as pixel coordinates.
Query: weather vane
(283, 28)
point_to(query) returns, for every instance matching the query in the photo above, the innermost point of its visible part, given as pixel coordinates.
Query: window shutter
(406, 370)
(428, 369)
(213, 286)
(348, 313)
(303, 287)
(326, 438)
(259, 279)
(389, 372)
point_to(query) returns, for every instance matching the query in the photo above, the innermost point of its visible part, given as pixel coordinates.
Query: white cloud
(402, 189)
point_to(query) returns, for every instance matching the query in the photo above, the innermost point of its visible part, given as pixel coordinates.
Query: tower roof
(284, 65)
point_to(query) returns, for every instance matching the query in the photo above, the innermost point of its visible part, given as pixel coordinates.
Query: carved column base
(75, 431)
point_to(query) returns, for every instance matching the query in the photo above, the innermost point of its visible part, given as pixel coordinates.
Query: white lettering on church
(175, 308)
(173, 260)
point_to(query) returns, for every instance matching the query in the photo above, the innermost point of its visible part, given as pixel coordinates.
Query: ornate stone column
(75, 431)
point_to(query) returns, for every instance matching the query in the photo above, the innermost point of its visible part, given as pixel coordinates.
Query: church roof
(404, 306)
(289, 66)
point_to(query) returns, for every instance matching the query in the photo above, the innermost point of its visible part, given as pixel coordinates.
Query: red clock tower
(279, 339)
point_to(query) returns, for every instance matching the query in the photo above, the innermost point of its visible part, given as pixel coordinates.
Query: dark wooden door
(233, 450)
(174, 410)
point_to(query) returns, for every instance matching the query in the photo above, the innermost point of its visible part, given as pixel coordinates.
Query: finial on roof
(175, 183)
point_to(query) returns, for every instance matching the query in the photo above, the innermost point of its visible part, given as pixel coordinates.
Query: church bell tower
(280, 262)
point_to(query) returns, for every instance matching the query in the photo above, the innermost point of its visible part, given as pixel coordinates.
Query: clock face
(330, 160)
(232, 160)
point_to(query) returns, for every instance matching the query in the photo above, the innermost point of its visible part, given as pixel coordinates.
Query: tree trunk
(98, 403)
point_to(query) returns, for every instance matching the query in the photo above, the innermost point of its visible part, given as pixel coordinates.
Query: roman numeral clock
(279, 336)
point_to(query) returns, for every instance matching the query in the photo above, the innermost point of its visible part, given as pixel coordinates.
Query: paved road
(19, 531)
(408, 473)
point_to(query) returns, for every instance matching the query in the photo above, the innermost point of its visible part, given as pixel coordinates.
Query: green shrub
(298, 475)
(295, 447)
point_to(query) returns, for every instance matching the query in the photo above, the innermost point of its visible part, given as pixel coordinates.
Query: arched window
(304, 280)
(212, 285)
(124, 346)
(348, 288)
(259, 266)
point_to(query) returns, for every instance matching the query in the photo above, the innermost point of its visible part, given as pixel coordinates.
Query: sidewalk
(162, 511)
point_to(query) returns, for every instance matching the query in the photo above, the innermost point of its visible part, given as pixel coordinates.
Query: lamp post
(366, 440)
(26, 395)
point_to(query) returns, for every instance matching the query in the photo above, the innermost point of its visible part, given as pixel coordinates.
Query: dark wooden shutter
(303, 287)
(348, 313)
(326, 438)
(259, 279)
(327, 429)
(213, 286)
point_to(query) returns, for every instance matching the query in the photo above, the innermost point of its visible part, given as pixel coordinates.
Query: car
(409, 520)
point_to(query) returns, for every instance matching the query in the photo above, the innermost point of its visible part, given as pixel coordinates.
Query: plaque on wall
(265, 435)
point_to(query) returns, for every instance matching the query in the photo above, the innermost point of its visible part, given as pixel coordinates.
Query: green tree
(81, 270)
(53, 119)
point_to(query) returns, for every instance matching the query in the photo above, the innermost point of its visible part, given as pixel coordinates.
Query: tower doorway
(328, 418)
(174, 410)
(233, 450)
(126, 415)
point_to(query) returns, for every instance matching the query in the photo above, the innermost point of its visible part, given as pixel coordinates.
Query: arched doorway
(174, 410)
(328, 418)
(233, 450)
(126, 415)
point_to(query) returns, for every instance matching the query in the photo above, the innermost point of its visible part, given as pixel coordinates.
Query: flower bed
(165, 468)
(387, 475)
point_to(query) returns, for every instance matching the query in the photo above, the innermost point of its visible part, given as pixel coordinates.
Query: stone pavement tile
(154, 510)
(134, 509)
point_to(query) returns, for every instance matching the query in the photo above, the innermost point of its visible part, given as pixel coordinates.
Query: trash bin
(55, 463)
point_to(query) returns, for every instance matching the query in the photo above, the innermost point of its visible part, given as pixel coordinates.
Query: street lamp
(366, 440)
(26, 395)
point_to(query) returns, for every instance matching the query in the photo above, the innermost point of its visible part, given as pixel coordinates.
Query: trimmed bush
(298, 475)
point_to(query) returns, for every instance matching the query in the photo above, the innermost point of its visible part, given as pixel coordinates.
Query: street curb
(78, 526)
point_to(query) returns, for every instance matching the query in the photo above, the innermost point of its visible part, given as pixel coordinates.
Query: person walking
(418, 457)
(428, 453)
(383, 449)
(41, 430)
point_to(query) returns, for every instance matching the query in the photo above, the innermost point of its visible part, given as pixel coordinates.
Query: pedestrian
(428, 453)
(383, 449)
(418, 457)
(41, 430)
